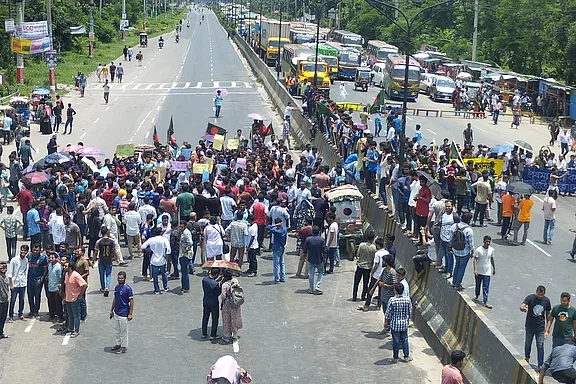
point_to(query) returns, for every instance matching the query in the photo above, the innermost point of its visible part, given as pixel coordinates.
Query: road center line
(66, 339)
(29, 327)
(431, 131)
(84, 134)
(116, 98)
(537, 198)
(236, 346)
(107, 108)
(95, 121)
(147, 134)
(538, 247)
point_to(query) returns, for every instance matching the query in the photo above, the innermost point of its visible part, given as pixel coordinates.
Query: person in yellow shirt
(523, 219)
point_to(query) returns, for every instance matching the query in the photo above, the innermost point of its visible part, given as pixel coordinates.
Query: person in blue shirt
(218, 102)
(278, 231)
(37, 270)
(33, 221)
(418, 135)
(122, 311)
(372, 160)
(377, 124)
(315, 250)
(397, 123)
(210, 304)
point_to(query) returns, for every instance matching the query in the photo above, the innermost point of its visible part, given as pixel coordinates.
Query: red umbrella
(35, 178)
(71, 148)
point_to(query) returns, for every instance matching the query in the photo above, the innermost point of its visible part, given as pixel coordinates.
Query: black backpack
(458, 241)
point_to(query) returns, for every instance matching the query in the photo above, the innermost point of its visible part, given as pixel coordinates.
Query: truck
(274, 36)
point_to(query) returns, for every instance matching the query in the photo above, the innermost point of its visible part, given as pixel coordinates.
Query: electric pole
(475, 33)
(19, 56)
(51, 78)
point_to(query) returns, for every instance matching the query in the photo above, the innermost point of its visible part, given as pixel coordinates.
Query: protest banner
(241, 163)
(186, 152)
(199, 168)
(125, 150)
(233, 144)
(218, 142)
(178, 166)
(539, 179)
(485, 164)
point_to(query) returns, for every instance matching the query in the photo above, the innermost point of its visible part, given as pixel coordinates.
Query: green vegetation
(73, 55)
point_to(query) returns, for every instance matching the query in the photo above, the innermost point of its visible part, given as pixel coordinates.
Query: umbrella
(523, 144)
(71, 148)
(432, 184)
(6, 108)
(90, 152)
(222, 264)
(501, 148)
(223, 92)
(256, 116)
(35, 178)
(421, 56)
(56, 158)
(464, 76)
(521, 188)
(208, 137)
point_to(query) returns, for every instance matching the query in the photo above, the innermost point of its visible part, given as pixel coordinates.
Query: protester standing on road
(253, 247)
(6, 128)
(468, 135)
(537, 308)
(132, 221)
(74, 289)
(4, 297)
(10, 224)
(483, 269)
(130, 53)
(451, 373)
(122, 311)
(18, 277)
(125, 52)
(112, 69)
(106, 88)
(231, 315)
(99, 69)
(386, 281)
(365, 255)
(139, 58)
(314, 247)
(332, 243)
(70, 112)
(160, 247)
(342, 93)
(462, 245)
(211, 308)
(396, 317)
(37, 271)
(444, 224)
(218, 103)
(523, 219)
(185, 254)
(278, 233)
(105, 252)
(236, 232)
(563, 316)
(120, 72)
(564, 138)
(549, 208)
(483, 192)
(54, 288)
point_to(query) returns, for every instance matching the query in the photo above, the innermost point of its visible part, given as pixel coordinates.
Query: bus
(348, 39)
(329, 55)
(380, 50)
(299, 61)
(302, 35)
(393, 77)
(348, 60)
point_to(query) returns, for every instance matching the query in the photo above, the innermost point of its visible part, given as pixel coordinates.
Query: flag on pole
(155, 138)
(212, 129)
(454, 154)
(378, 101)
(169, 135)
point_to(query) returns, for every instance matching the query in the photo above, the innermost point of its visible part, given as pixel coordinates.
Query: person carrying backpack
(232, 297)
(462, 245)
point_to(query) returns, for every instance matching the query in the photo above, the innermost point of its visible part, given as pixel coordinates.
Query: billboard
(32, 30)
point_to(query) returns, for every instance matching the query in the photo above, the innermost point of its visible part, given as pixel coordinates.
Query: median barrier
(446, 318)
(418, 110)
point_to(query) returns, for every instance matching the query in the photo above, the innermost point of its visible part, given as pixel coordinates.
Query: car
(442, 89)
(379, 69)
(426, 82)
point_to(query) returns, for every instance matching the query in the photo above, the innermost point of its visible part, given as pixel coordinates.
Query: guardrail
(3, 99)
(448, 319)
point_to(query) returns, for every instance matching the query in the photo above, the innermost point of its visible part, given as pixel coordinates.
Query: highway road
(288, 335)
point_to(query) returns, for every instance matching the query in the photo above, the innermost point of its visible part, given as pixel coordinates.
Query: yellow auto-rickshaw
(143, 40)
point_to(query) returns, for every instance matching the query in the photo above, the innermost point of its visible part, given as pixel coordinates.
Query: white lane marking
(409, 118)
(141, 71)
(29, 327)
(538, 248)
(137, 86)
(216, 84)
(95, 121)
(199, 85)
(234, 84)
(173, 85)
(431, 131)
(84, 134)
(150, 86)
(162, 85)
(116, 98)
(147, 134)
(186, 85)
(158, 108)
(148, 114)
(236, 346)
(247, 85)
(482, 129)
(537, 198)
(107, 108)
(66, 339)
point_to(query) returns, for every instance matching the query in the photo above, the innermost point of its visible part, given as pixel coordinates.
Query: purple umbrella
(91, 152)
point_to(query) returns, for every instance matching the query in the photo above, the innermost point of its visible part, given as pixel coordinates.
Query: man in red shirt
(451, 373)
(260, 211)
(422, 198)
(24, 198)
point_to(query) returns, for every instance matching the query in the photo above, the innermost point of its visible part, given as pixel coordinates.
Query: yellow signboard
(199, 168)
(484, 164)
(233, 143)
(218, 142)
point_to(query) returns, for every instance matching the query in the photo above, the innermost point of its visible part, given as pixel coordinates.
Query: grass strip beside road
(72, 62)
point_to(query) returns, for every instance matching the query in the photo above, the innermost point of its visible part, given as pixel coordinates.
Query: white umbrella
(464, 76)
(421, 56)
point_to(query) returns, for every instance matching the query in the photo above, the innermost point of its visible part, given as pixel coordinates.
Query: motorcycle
(187, 25)
(160, 44)
(177, 38)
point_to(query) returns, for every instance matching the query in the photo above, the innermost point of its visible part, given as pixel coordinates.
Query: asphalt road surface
(288, 335)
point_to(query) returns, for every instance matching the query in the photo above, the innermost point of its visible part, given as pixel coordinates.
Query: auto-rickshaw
(21, 106)
(346, 200)
(143, 40)
(362, 78)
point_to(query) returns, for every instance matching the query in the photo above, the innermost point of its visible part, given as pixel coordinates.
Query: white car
(426, 80)
(442, 89)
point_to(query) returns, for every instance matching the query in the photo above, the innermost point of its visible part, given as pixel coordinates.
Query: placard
(160, 174)
(186, 153)
(218, 142)
(199, 168)
(9, 25)
(485, 164)
(233, 143)
(241, 163)
(125, 150)
(178, 166)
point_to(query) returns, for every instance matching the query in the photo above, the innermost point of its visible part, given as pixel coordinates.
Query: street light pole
(19, 56)
(408, 30)
(51, 78)
(317, 41)
(279, 43)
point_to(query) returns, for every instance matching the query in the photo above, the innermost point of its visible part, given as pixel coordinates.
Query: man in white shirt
(484, 268)
(228, 206)
(160, 247)
(146, 209)
(564, 139)
(18, 278)
(401, 278)
(253, 247)
(414, 189)
(377, 267)
(109, 222)
(133, 221)
(6, 127)
(57, 227)
(549, 208)
(332, 243)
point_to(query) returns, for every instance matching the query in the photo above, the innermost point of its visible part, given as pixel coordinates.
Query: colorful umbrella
(56, 158)
(35, 178)
(222, 264)
(71, 148)
(208, 137)
(256, 116)
(223, 92)
(90, 152)
(501, 148)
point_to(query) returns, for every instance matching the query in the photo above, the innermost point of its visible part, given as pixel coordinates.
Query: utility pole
(51, 78)
(123, 17)
(397, 4)
(91, 31)
(100, 9)
(475, 33)
(19, 56)
(164, 10)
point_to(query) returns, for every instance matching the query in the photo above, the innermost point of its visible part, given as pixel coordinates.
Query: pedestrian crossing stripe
(178, 86)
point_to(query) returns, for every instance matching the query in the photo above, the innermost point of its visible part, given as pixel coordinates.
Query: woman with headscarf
(231, 316)
(94, 225)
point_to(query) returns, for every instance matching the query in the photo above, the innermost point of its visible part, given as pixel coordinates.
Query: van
(379, 69)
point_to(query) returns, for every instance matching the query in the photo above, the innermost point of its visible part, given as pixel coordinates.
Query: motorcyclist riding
(177, 37)
(160, 42)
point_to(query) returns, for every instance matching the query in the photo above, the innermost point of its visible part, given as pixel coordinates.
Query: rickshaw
(143, 40)
(346, 200)
(362, 78)
(21, 106)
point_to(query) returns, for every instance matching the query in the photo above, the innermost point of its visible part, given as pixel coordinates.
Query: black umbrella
(521, 188)
(432, 184)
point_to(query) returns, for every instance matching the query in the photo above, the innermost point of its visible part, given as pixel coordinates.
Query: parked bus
(380, 50)
(393, 77)
(348, 39)
(301, 35)
(348, 60)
